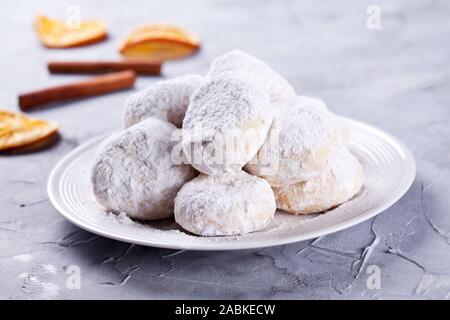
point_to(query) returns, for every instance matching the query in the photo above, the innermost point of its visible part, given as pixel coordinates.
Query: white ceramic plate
(389, 170)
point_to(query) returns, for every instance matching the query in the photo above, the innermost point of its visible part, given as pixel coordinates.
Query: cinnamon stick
(92, 87)
(139, 66)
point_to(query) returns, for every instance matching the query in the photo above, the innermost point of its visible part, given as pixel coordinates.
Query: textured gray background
(397, 78)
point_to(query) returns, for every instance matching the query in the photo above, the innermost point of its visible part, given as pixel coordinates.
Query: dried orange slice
(159, 42)
(35, 146)
(17, 130)
(54, 33)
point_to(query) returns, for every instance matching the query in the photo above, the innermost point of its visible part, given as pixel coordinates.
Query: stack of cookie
(251, 142)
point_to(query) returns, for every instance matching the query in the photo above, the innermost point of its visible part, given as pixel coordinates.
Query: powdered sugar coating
(133, 171)
(329, 189)
(303, 141)
(228, 107)
(237, 60)
(226, 205)
(166, 100)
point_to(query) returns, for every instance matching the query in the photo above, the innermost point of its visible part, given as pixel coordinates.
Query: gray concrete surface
(397, 78)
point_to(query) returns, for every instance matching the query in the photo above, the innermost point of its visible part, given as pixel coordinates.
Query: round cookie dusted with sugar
(237, 60)
(332, 187)
(134, 172)
(224, 206)
(226, 123)
(166, 100)
(304, 139)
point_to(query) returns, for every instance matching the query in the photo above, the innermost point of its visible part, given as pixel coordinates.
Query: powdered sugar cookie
(226, 205)
(237, 60)
(331, 188)
(134, 173)
(304, 140)
(166, 100)
(226, 123)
